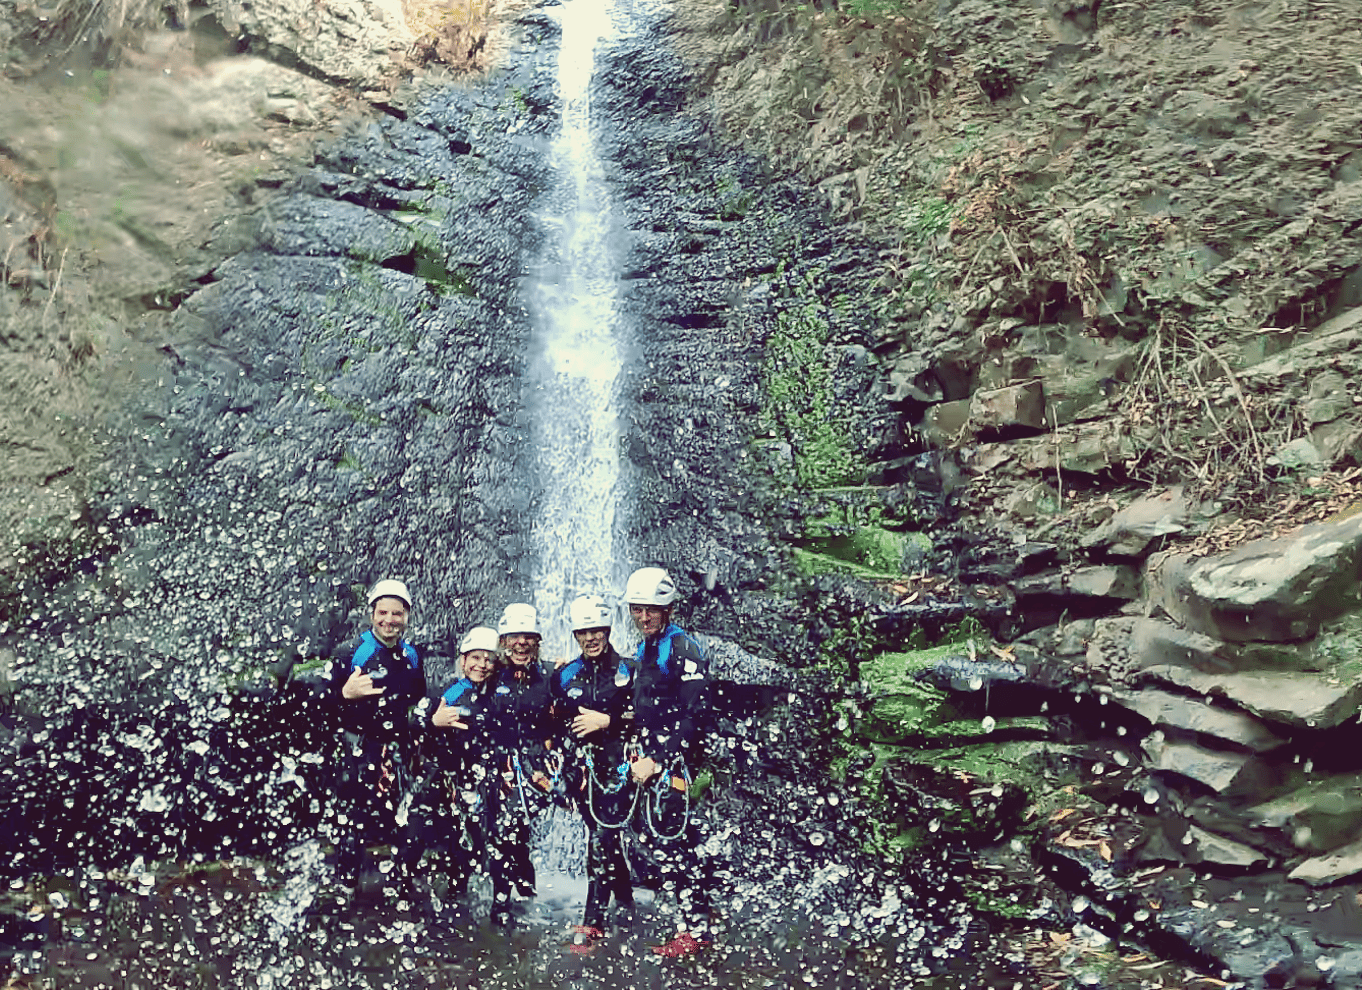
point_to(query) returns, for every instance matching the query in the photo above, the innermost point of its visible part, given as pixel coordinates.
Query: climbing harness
(552, 780)
(617, 782)
(652, 808)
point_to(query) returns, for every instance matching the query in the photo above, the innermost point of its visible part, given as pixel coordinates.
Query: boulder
(1102, 581)
(1105, 581)
(1087, 448)
(1338, 442)
(1212, 848)
(1329, 398)
(1321, 815)
(1130, 532)
(1012, 407)
(1331, 867)
(947, 423)
(1279, 590)
(1124, 645)
(1215, 769)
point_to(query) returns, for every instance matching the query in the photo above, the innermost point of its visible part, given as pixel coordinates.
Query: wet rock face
(346, 396)
(344, 401)
(350, 40)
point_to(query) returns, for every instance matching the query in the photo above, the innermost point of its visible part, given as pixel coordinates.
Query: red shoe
(584, 939)
(683, 944)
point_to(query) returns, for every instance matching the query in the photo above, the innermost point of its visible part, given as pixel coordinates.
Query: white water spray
(573, 299)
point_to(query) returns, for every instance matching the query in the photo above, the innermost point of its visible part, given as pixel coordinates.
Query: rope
(620, 781)
(652, 809)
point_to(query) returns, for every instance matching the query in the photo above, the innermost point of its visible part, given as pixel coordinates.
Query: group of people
(471, 766)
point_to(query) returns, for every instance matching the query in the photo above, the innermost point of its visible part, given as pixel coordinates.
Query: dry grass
(465, 35)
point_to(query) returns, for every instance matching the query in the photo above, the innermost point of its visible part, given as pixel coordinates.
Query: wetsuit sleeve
(448, 748)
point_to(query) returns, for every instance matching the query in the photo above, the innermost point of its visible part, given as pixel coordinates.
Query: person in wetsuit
(522, 730)
(373, 682)
(590, 709)
(670, 700)
(454, 807)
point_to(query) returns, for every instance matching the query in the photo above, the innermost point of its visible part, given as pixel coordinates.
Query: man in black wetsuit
(670, 699)
(373, 682)
(591, 701)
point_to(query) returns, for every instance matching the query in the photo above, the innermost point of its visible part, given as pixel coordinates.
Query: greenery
(799, 404)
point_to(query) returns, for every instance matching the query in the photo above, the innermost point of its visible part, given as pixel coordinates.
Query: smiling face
(593, 642)
(650, 619)
(478, 665)
(520, 648)
(389, 619)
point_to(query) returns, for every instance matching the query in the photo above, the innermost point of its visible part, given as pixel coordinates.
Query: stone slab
(1298, 700)
(1319, 871)
(1165, 708)
(1130, 532)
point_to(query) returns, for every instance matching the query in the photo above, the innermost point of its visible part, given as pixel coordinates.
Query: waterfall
(573, 297)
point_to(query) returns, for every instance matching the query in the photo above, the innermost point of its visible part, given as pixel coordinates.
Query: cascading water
(572, 295)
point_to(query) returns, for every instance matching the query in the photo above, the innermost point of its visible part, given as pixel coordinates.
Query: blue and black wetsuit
(596, 771)
(671, 706)
(376, 742)
(455, 806)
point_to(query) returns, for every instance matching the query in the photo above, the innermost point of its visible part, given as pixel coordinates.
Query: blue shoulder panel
(458, 689)
(568, 672)
(368, 646)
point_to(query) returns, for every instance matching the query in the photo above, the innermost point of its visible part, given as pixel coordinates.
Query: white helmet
(518, 618)
(389, 588)
(589, 612)
(478, 638)
(650, 586)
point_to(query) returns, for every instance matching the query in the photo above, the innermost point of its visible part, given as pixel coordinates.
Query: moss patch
(799, 405)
